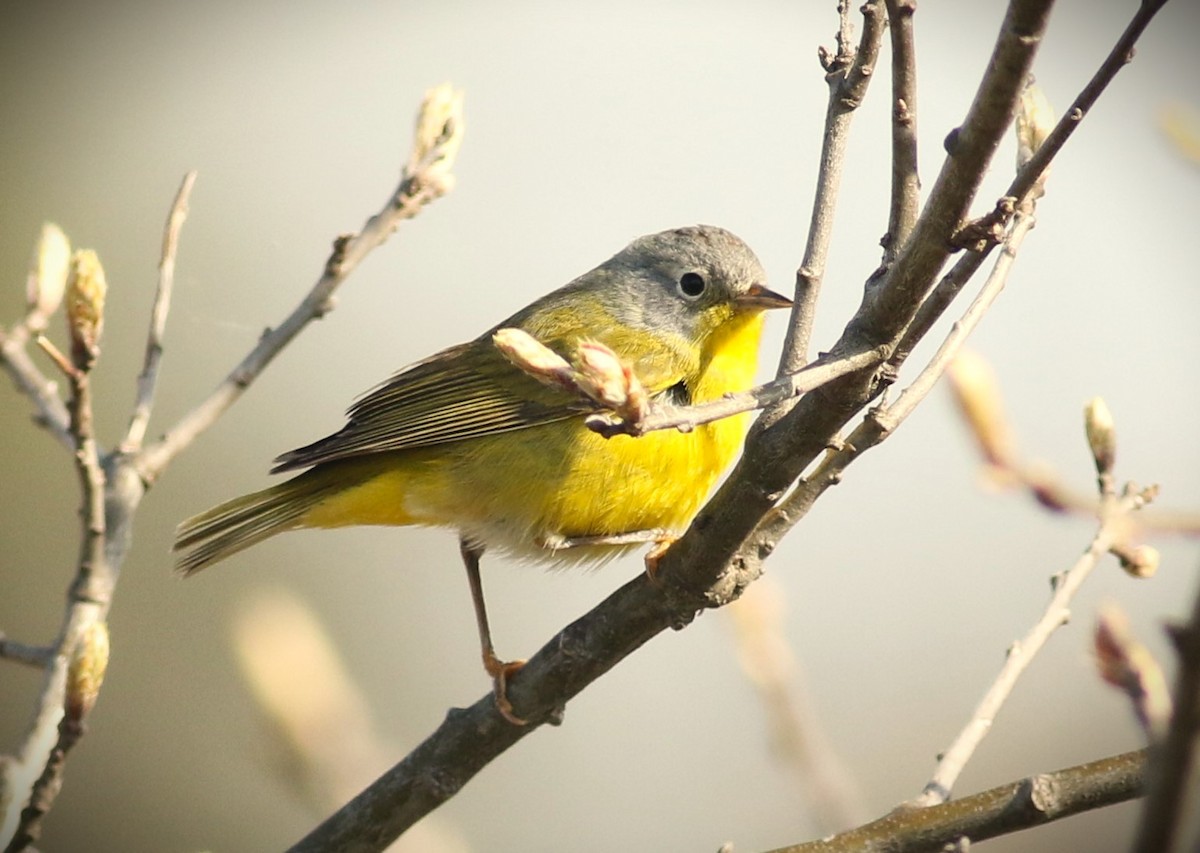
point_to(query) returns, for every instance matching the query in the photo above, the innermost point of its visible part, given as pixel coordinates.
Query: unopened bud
(85, 672)
(1139, 561)
(532, 356)
(86, 289)
(978, 398)
(1126, 664)
(438, 133)
(47, 276)
(1101, 434)
(601, 374)
(609, 381)
(1035, 121)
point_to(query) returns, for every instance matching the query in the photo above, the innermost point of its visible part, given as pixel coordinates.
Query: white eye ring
(692, 285)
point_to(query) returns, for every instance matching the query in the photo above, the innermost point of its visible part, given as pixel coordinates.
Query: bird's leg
(662, 540)
(661, 544)
(498, 669)
(635, 537)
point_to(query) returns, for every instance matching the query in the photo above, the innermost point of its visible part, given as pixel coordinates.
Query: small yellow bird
(467, 440)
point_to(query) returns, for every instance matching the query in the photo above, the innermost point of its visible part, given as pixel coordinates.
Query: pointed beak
(759, 298)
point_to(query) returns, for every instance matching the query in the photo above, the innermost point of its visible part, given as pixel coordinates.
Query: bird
(469, 440)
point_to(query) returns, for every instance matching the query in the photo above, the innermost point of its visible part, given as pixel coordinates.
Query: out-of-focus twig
(326, 745)
(796, 731)
(1128, 665)
(1171, 783)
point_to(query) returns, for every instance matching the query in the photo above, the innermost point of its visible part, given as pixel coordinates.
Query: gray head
(686, 280)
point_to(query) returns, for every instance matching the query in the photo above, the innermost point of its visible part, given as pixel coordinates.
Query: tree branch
(848, 74)
(51, 410)
(425, 178)
(1033, 801)
(906, 180)
(148, 379)
(686, 418)
(1172, 760)
(40, 761)
(884, 420)
(706, 567)
(1112, 531)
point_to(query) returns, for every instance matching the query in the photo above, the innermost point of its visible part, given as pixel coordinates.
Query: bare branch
(35, 769)
(1033, 801)
(883, 421)
(1030, 174)
(1112, 529)
(906, 181)
(36, 656)
(848, 74)
(426, 178)
(51, 410)
(780, 390)
(1172, 762)
(1117, 58)
(148, 379)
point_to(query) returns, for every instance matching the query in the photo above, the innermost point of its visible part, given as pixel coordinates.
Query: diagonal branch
(1065, 585)
(51, 410)
(885, 420)
(1031, 173)
(425, 178)
(1033, 801)
(714, 553)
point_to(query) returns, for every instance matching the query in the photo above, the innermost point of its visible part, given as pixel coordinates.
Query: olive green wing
(465, 391)
(468, 391)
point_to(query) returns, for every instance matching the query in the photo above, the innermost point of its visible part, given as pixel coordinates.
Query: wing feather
(468, 391)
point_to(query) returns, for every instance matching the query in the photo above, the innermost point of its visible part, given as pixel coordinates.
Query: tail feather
(237, 524)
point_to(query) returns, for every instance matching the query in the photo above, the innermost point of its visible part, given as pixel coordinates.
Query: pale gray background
(586, 125)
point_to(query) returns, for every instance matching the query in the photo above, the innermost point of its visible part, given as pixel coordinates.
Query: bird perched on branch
(490, 437)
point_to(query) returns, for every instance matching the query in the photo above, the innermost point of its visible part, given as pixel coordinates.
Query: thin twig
(848, 73)
(884, 420)
(906, 181)
(1033, 171)
(686, 418)
(425, 178)
(797, 735)
(1033, 801)
(1112, 530)
(51, 410)
(88, 601)
(36, 656)
(1172, 761)
(1120, 55)
(893, 301)
(148, 379)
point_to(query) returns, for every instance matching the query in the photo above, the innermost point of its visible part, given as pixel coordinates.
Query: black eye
(691, 284)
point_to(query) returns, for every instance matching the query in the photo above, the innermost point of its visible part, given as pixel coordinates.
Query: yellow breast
(518, 491)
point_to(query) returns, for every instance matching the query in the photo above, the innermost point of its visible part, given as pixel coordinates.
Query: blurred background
(586, 126)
